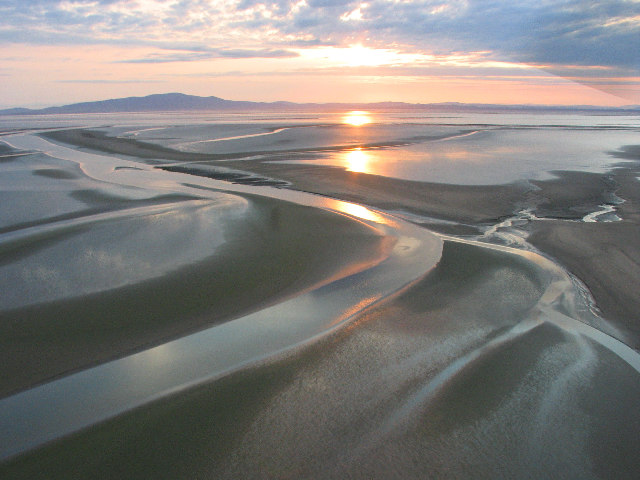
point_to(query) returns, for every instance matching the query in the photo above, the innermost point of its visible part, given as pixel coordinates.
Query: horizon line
(321, 104)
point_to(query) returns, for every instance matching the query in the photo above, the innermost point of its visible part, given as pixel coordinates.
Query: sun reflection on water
(357, 118)
(357, 160)
(359, 211)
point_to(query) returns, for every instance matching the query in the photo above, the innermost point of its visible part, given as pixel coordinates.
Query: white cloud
(354, 15)
(547, 33)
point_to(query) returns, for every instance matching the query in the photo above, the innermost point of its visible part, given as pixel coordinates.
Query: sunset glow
(62, 51)
(359, 56)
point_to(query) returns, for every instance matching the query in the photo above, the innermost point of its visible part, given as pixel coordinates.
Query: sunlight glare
(357, 118)
(359, 211)
(357, 161)
(360, 56)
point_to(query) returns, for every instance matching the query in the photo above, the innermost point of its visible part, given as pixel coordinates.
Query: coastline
(491, 345)
(274, 251)
(469, 380)
(465, 210)
(605, 256)
(297, 267)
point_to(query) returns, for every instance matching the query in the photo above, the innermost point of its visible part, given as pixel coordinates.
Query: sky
(568, 52)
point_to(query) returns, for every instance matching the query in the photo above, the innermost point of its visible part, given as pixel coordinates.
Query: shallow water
(67, 232)
(442, 357)
(497, 155)
(465, 149)
(55, 409)
(107, 251)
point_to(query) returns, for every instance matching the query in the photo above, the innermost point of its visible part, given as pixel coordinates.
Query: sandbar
(280, 250)
(463, 373)
(359, 403)
(605, 256)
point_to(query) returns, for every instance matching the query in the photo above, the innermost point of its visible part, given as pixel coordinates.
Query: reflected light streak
(357, 118)
(356, 309)
(359, 211)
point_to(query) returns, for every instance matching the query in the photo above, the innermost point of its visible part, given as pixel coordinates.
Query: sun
(357, 118)
(357, 56)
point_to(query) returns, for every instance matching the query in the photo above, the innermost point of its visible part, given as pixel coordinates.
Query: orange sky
(420, 51)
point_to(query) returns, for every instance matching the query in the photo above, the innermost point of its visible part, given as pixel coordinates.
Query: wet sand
(152, 152)
(282, 250)
(275, 251)
(584, 248)
(465, 204)
(475, 370)
(380, 399)
(98, 141)
(605, 256)
(460, 203)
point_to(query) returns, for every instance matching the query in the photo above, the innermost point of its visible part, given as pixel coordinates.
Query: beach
(345, 324)
(465, 208)
(604, 256)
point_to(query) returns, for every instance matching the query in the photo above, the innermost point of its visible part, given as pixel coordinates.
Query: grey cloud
(575, 32)
(246, 53)
(331, 3)
(170, 58)
(280, 7)
(207, 54)
(564, 31)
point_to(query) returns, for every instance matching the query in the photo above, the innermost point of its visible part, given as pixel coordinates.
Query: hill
(173, 102)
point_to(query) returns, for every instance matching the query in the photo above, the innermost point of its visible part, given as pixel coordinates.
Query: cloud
(204, 53)
(169, 58)
(108, 82)
(546, 33)
(263, 53)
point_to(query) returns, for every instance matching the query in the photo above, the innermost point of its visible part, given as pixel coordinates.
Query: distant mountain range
(173, 102)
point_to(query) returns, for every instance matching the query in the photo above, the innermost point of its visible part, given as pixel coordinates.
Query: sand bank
(285, 273)
(369, 401)
(605, 256)
(472, 371)
(465, 204)
(152, 152)
(582, 248)
(276, 251)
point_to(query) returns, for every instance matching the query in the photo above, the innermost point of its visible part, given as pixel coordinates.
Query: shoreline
(605, 256)
(321, 263)
(562, 202)
(434, 385)
(275, 251)
(490, 364)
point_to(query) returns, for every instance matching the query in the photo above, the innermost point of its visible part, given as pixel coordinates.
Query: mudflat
(277, 250)
(492, 364)
(605, 256)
